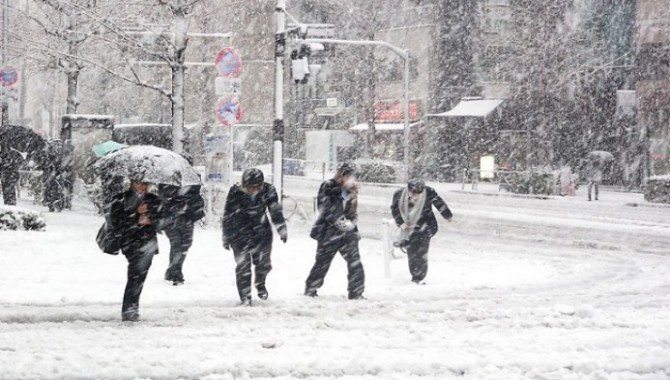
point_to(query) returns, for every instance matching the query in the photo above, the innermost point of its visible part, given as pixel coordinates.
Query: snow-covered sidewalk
(496, 306)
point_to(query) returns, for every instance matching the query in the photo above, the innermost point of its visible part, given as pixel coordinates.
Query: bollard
(387, 240)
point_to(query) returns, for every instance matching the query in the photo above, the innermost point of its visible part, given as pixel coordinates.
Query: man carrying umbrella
(17, 145)
(136, 213)
(135, 216)
(597, 160)
(247, 231)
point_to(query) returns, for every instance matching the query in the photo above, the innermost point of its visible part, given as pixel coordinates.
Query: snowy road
(517, 289)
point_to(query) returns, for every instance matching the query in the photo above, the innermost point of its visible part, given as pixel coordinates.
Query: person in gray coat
(412, 210)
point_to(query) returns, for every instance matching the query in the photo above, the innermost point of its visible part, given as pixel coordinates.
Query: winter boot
(245, 301)
(130, 316)
(262, 292)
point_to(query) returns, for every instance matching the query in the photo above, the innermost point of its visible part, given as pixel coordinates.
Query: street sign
(8, 76)
(228, 86)
(228, 63)
(228, 110)
(217, 145)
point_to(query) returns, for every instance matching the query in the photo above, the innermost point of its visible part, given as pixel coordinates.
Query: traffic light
(300, 64)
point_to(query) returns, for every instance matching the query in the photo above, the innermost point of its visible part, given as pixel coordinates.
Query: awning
(471, 108)
(383, 126)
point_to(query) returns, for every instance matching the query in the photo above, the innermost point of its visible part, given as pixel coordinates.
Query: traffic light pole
(4, 105)
(278, 126)
(402, 53)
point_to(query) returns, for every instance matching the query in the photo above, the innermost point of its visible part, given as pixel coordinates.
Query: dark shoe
(177, 282)
(419, 282)
(246, 301)
(130, 316)
(311, 293)
(356, 297)
(168, 276)
(262, 292)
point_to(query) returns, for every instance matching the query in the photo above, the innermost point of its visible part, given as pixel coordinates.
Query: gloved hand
(345, 225)
(283, 237)
(226, 246)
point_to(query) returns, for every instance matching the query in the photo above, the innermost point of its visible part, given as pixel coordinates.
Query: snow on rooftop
(140, 125)
(89, 116)
(473, 108)
(382, 127)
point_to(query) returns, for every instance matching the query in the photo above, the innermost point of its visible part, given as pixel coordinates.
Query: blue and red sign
(228, 63)
(8, 76)
(228, 110)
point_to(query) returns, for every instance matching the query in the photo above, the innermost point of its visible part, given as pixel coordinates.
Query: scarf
(410, 217)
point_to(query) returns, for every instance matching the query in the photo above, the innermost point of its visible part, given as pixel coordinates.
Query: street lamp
(278, 125)
(402, 53)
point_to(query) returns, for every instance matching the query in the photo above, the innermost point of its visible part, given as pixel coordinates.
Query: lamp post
(4, 106)
(278, 125)
(402, 53)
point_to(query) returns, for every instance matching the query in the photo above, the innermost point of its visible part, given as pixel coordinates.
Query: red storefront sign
(392, 111)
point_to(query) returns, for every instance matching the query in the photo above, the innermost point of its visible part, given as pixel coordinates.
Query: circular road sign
(8, 76)
(228, 110)
(228, 63)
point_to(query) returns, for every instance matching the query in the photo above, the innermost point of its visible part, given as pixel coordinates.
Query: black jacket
(427, 221)
(332, 208)
(181, 205)
(125, 219)
(245, 219)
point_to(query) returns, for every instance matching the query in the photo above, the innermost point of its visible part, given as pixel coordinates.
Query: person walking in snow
(336, 230)
(247, 230)
(135, 214)
(594, 176)
(413, 214)
(182, 207)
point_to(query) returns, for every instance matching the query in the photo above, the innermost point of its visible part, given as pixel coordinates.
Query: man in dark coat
(182, 207)
(51, 172)
(135, 216)
(10, 162)
(412, 210)
(247, 230)
(335, 230)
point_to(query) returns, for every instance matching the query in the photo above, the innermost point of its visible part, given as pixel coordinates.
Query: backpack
(109, 241)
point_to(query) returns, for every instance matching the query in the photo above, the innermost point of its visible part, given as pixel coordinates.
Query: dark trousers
(139, 258)
(325, 252)
(9, 180)
(246, 254)
(181, 238)
(592, 185)
(417, 255)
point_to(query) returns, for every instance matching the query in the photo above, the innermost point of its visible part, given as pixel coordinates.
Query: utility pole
(278, 125)
(3, 60)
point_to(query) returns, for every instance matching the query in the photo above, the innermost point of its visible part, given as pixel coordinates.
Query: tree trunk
(72, 82)
(178, 76)
(72, 68)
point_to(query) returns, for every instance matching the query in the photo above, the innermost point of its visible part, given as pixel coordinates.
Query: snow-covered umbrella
(20, 141)
(601, 155)
(157, 165)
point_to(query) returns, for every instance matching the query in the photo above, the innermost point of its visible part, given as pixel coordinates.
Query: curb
(507, 195)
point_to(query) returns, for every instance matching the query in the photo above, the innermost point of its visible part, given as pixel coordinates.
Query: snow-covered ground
(517, 289)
